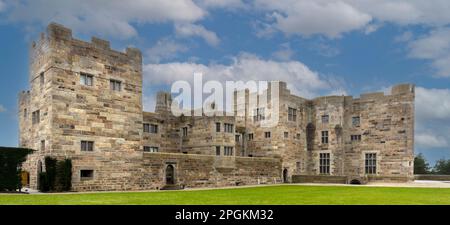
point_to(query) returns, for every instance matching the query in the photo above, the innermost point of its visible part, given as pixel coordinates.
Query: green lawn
(265, 195)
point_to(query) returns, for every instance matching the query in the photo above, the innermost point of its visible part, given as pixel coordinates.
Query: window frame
(325, 163)
(91, 177)
(87, 146)
(325, 137)
(87, 77)
(325, 119)
(292, 114)
(115, 85)
(370, 163)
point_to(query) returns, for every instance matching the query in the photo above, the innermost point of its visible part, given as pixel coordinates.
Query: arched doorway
(355, 181)
(285, 176)
(170, 174)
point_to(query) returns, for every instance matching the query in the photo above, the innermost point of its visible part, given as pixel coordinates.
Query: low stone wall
(193, 170)
(190, 170)
(319, 179)
(432, 177)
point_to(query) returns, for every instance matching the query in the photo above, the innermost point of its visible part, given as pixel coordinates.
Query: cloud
(285, 52)
(2, 109)
(104, 17)
(245, 67)
(164, 49)
(189, 30)
(434, 46)
(226, 4)
(332, 18)
(432, 117)
(305, 18)
(2, 6)
(432, 104)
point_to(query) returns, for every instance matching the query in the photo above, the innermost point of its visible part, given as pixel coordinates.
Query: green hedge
(11, 160)
(57, 175)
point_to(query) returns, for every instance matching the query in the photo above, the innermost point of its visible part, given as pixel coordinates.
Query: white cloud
(189, 30)
(432, 117)
(2, 6)
(285, 52)
(302, 17)
(245, 67)
(430, 140)
(104, 17)
(434, 46)
(2, 109)
(164, 49)
(432, 104)
(227, 4)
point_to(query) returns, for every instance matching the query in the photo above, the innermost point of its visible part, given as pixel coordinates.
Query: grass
(264, 195)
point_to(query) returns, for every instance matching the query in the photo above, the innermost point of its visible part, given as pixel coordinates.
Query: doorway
(170, 174)
(285, 176)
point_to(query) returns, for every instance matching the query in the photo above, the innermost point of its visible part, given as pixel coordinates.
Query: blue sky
(319, 47)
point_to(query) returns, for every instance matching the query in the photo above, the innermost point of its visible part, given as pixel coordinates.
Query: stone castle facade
(85, 103)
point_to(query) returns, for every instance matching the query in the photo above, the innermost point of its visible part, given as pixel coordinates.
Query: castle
(85, 103)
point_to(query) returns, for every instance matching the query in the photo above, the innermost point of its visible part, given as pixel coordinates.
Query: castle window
(325, 118)
(217, 150)
(217, 127)
(324, 137)
(115, 85)
(86, 174)
(228, 151)
(146, 128)
(86, 79)
(286, 134)
(371, 163)
(250, 136)
(41, 79)
(43, 145)
(258, 114)
(87, 146)
(292, 114)
(356, 120)
(324, 163)
(150, 128)
(298, 136)
(228, 127)
(151, 149)
(355, 137)
(25, 113)
(267, 134)
(36, 116)
(238, 138)
(185, 131)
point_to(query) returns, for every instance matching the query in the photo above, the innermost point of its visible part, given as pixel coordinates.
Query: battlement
(60, 33)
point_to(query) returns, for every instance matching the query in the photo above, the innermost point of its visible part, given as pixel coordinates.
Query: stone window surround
(363, 162)
(155, 129)
(151, 149)
(331, 162)
(115, 81)
(86, 178)
(292, 117)
(324, 137)
(78, 147)
(87, 75)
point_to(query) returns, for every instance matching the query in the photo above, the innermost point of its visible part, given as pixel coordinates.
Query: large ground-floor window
(324, 163)
(371, 163)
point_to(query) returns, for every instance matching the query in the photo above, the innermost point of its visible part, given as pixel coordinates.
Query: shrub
(11, 160)
(63, 175)
(57, 175)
